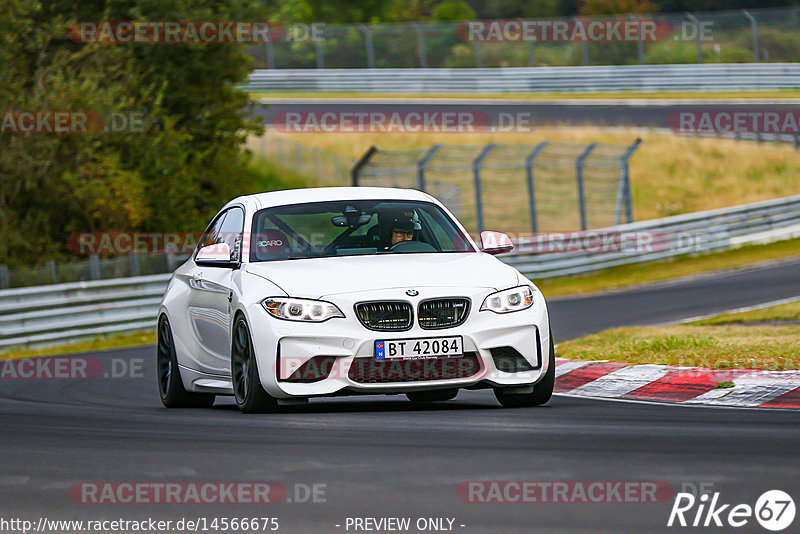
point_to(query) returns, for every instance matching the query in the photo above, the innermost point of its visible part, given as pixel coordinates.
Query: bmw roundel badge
(412, 292)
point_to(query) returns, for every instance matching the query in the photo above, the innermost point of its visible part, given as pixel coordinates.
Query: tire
(170, 385)
(247, 389)
(436, 395)
(541, 392)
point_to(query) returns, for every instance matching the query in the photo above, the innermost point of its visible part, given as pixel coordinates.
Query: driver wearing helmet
(395, 226)
(402, 230)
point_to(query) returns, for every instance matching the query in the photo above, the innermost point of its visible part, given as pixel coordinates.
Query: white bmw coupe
(349, 291)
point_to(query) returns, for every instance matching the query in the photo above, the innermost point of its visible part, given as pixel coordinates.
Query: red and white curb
(684, 385)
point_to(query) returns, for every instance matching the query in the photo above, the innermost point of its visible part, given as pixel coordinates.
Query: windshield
(353, 228)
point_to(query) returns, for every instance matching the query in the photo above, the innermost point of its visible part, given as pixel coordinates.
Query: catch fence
(549, 186)
(737, 36)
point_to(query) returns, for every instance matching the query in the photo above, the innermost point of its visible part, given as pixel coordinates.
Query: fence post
(298, 154)
(94, 267)
(51, 265)
(754, 29)
(171, 261)
(317, 164)
(4, 278)
(640, 41)
(476, 173)
(134, 261)
(318, 49)
(579, 175)
(624, 195)
(531, 52)
(697, 41)
(279, 149)
(270, 56)
(584, 43)
(354, 172)
(423, 163)
(476, 48)
(422, 51)
(531, 191)
(368, 44)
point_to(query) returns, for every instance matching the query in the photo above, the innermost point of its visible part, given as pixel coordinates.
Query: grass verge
(716, 347)
(632, 275)
(114, 341)
(782, 312)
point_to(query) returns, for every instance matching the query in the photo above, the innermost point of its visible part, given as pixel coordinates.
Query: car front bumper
(283, 347)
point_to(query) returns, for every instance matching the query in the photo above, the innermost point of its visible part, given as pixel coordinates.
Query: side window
(227, 228)
(231, 232)
(212, 233)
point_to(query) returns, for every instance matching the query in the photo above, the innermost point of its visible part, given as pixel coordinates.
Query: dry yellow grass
(113, 341)
(782, 312)
(670, 174)
(717, 347)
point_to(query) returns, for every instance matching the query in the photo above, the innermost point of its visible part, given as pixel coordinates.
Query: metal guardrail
(65, 312)
(701, 232)
(691, 77)
(94, 268)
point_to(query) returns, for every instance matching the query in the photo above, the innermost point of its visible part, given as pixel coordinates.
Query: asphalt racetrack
(659, 114)
(383, 457)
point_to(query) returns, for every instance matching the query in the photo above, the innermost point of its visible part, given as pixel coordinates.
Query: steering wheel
(405, 247)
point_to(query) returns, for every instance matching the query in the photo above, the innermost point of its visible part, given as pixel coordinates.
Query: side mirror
(496, 243)
(216, 254)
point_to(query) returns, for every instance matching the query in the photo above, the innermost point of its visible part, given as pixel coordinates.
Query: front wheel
(247, 389)
(170, 385)
(541, 392)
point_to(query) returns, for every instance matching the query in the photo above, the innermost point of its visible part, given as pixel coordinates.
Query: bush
(172, 176)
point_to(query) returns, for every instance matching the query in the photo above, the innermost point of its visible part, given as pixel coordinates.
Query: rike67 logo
(774, 510)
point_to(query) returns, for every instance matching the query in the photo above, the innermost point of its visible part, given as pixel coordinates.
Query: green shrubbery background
(190, 159)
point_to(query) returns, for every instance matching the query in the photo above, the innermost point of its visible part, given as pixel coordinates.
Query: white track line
(741, 310)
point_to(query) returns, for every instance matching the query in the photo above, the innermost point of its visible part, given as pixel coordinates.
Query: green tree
(171, 176)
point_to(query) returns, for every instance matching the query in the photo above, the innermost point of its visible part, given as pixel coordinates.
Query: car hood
(318, 277)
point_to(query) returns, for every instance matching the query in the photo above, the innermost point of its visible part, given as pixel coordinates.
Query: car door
(211, 294)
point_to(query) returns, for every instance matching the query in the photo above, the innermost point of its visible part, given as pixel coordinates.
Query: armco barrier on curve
(50, 314)
(64, 312)
(704, 77)
(705, 231)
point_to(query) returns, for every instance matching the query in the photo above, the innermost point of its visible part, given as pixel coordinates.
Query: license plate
(429, 347)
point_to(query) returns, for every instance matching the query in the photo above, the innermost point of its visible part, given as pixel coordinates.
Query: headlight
(509, 300)
(314, 311)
